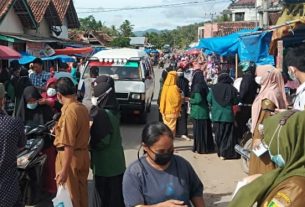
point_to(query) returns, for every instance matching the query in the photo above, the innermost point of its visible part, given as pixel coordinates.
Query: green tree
(120, 42)
(126, 29)
(90, 24)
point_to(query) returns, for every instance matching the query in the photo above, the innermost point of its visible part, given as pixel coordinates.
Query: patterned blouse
(12, 137)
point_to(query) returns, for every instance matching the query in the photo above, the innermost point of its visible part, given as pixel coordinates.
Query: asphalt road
(219, 176)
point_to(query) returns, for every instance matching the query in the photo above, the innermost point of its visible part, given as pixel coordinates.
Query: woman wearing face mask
(160, 178)
(285, 186)
(271, 96)
(107, 154)
(34, 114)
(50, 96)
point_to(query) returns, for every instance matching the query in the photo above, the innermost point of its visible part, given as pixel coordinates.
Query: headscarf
(291, 146)
(170, 102)
(224, 92)
(183, 84)
(199, 85)
(40, 115)
(101, 127)
(273, 89)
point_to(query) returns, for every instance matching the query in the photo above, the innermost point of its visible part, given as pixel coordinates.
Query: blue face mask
(32, 106)
(278, 158)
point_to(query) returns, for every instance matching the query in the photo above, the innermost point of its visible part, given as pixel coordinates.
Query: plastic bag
(63, 198)
(94, 197)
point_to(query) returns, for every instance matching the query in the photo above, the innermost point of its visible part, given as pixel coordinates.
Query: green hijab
(291, 147)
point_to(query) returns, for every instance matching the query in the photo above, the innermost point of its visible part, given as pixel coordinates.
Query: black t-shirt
(143, 184)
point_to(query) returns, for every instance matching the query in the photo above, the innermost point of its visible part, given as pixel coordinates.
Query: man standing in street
(295, 61)
(40, 77)
(71, 141)
(12, 137)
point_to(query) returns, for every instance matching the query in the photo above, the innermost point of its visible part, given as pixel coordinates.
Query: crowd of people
(87, 135)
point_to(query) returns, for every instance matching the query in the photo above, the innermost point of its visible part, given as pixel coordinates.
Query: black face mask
(164, 158)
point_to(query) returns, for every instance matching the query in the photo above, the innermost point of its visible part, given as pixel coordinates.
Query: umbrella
(72, 51)
(8, 53)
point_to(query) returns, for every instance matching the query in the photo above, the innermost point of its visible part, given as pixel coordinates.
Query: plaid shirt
(39, 80)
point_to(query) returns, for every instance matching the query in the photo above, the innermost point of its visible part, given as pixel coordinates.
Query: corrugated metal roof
(137, 40)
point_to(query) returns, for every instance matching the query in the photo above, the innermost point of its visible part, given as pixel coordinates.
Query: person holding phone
(160, 178)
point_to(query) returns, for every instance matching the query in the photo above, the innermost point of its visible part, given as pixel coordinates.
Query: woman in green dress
(107, 154)
(202, 130)
(222, 97)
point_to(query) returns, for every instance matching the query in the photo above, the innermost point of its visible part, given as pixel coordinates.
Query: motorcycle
(30, 161)
(244, 148)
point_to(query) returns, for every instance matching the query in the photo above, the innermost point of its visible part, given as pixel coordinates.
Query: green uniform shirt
(108, 159)
(220, 113)
(199, 108)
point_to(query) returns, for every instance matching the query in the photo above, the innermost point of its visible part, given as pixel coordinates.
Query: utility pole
(265, 13)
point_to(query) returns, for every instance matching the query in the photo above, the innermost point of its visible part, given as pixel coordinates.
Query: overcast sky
(160, 18)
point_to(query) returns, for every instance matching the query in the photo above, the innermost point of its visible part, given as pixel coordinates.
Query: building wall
(210, 29)
(200, 32)
(43, 29)
(250, 14)
(11, 23)
(64, 28)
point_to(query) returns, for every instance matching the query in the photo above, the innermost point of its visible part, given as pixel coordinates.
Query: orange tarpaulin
(72, 51)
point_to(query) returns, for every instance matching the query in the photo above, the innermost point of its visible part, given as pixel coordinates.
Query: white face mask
(291, 75)
(51, 92)
(94, 101)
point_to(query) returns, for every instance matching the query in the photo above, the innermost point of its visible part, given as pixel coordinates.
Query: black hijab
(23, 82)
(183, 84)
(33, 117)
(199, 85)
(101, 127)
(223, 91)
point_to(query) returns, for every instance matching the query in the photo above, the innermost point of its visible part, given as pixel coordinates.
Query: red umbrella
(8, 53)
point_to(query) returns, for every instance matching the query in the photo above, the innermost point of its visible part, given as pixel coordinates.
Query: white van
(133, 74)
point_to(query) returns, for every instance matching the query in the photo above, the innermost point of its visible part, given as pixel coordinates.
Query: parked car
(134, 78)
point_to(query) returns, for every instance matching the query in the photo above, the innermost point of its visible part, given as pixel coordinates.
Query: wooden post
(236, 66)
(279, 59)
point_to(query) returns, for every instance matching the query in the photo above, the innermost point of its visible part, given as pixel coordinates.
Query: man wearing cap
(12, 137)
(247, 93)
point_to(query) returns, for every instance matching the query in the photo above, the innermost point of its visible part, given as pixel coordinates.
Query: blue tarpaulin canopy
(223, 46)
(26, 58)
(62, 58)
(250, 45)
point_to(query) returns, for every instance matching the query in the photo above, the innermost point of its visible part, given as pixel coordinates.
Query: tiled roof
(4, 7)
(65, 8)
(45, 9)
(22, 10)
(245, 2)
(39, 8)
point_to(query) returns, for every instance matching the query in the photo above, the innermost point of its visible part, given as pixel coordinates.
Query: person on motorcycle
(12, 138)
(160, 178)
(34, 113)
(247, 93)
(284, 186)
